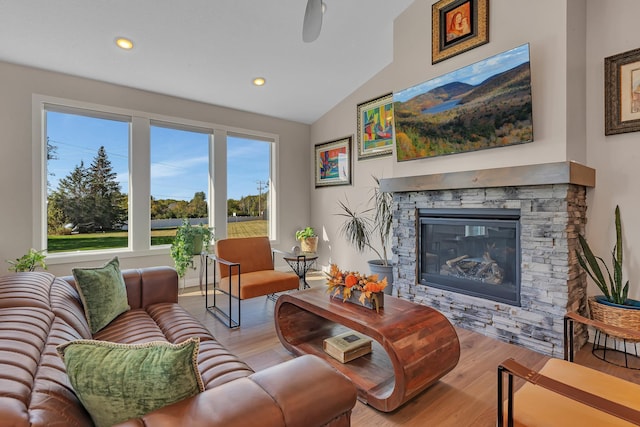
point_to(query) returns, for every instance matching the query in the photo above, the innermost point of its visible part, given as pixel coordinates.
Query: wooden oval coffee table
(414, 345)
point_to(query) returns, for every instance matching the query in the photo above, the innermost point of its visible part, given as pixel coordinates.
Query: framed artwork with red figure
(458, 26)
(333, 162)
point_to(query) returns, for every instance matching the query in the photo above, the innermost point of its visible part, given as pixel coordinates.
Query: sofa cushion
(103, 293)
(116, 382)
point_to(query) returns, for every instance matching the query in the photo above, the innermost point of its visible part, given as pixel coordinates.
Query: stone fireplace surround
(552, 202)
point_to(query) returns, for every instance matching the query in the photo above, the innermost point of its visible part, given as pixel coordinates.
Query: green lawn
(97, 241)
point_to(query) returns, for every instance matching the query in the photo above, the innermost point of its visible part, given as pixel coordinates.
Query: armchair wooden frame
(234, 292)
(512, 368)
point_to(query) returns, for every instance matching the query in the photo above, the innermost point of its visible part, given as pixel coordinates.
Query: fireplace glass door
(472, 251)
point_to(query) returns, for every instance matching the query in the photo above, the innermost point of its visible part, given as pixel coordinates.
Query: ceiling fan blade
(312, 21)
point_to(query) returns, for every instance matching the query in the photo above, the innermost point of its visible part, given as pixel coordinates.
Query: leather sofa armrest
(303, 392)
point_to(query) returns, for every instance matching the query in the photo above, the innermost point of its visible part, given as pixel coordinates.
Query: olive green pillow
(117, 382)
(103, 293)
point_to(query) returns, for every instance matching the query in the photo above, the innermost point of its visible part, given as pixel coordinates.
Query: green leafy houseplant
(29, 261)
(189, 241)
(611, 286)
(371, 226)
(308, 239)
(305, 233)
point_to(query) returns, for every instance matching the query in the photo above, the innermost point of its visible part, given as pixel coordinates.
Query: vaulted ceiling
(209, 50)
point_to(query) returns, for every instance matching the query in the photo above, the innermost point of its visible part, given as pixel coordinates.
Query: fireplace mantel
(540, 174)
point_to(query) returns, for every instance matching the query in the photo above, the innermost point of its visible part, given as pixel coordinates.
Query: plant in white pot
(308, 239)
(371, 229)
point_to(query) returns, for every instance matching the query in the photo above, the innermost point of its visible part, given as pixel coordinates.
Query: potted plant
(189, 241)
(29, 261)
(308, 239)
(371, 229)
(613, 306)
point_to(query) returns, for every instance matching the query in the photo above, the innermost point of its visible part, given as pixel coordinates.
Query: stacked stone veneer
(552, 283)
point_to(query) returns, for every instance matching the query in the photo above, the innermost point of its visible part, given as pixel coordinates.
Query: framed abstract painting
(375, 127)
(333, 162)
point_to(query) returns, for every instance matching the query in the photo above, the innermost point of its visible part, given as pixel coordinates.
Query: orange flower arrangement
(349, 281)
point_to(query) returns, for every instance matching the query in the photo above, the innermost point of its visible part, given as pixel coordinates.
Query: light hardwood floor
(466, 396)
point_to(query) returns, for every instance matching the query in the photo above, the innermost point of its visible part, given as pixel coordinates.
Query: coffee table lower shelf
(413, 345)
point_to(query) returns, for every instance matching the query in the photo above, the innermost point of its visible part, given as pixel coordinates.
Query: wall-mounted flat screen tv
(483, 105)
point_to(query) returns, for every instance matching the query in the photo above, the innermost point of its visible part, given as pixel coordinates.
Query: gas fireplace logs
(483, 269)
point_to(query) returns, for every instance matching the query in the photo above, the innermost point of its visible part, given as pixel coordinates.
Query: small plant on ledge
(29, 261)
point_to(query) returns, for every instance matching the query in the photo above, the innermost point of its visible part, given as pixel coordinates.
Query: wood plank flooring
(464, 397)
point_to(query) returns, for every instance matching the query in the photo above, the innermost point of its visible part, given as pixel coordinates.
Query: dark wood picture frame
(333, 162)
(458, 26)
(622, 93)
(375, 127)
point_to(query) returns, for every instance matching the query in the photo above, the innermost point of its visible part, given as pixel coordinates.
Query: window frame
(139, 242)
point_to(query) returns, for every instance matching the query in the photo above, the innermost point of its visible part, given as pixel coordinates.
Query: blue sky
(179, 159)
(471, 74)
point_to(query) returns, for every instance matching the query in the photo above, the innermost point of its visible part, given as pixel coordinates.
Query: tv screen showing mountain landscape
(483, 105)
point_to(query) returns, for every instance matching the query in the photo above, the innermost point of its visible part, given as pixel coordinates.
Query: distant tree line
(89, 199)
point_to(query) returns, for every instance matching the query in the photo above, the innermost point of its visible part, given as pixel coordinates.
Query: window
(107, 178)
(248, 186)
(87, 181)
(179, 180)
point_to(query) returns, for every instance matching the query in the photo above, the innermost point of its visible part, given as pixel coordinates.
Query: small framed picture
(375, 127)
(622, 93)
(333, 162)
(458, 26)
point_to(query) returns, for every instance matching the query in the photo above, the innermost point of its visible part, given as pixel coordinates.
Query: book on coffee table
(347, 346)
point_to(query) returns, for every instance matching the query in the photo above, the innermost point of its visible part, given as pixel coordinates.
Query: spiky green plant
(611, 287)
(360, 228)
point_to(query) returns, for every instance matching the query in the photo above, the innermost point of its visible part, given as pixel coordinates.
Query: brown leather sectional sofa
(39, 311)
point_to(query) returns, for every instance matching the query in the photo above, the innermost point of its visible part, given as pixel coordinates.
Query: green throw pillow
(117, 382)
(103, 293)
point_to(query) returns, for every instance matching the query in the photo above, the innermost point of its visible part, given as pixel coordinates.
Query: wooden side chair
(563, 393)
(246, 270)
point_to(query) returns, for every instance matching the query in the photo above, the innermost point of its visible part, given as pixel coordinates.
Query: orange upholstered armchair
(245, 267)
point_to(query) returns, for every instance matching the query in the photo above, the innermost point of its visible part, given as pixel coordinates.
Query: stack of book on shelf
(347, 346)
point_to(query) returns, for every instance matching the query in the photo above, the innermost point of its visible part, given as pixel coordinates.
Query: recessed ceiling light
(124, 43)
(259, 81)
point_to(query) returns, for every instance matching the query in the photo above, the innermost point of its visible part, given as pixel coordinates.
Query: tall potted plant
(371, 229)
(613, 306)
(189, 241)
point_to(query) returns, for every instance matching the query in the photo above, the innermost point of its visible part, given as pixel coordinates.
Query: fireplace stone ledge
(514, 176)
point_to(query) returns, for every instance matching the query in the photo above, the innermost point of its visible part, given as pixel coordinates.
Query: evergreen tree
(105, 197)
(71, 198)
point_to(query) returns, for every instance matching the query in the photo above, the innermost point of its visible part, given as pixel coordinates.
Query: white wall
(612, 28)
(568, 41)
(18, 216)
